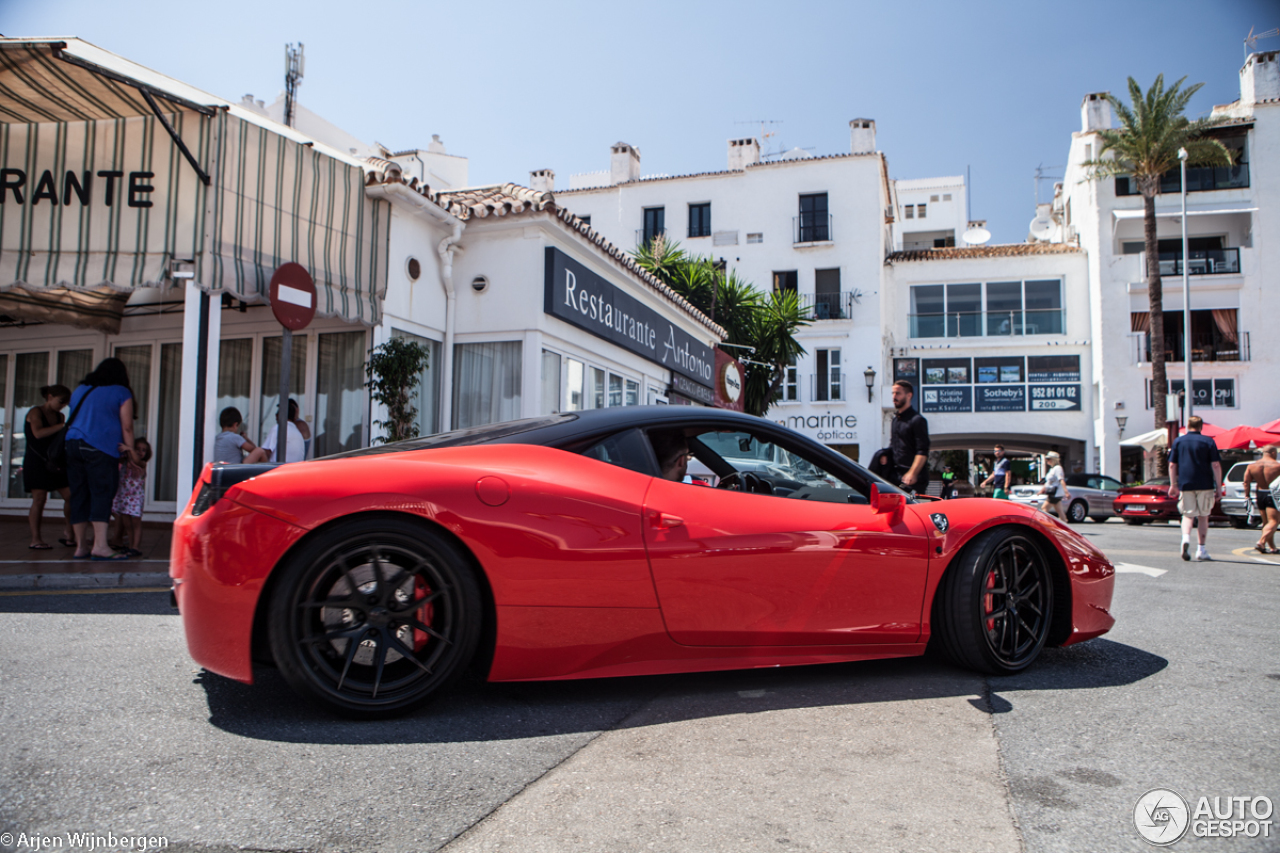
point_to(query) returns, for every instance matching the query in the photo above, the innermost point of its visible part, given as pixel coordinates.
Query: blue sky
(516, 86)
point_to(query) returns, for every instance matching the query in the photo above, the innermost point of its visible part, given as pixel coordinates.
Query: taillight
(209, 495)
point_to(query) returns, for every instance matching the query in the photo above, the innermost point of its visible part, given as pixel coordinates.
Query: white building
(1233, 227)
(142, 218)
(818, 226)
(997, 342)
(932, 213)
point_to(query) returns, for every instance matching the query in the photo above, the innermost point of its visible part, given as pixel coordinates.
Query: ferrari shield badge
(940, 521)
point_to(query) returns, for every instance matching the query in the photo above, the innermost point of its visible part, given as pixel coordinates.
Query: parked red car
(1151, 502)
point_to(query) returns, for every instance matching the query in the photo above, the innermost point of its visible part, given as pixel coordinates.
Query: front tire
(374, 616)
(994, 606)
(1077, 512)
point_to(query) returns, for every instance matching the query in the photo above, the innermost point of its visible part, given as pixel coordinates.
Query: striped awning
(111, 180)
(41, 83)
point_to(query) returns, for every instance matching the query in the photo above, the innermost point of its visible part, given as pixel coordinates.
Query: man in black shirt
(909, 440)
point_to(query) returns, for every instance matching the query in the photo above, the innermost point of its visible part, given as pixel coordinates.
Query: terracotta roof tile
(513, 200)
(1006, 250)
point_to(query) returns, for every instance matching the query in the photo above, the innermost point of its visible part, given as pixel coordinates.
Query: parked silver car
(1092, 496)
(1233, 503)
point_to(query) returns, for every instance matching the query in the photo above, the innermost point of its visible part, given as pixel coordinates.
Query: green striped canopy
(96, 198)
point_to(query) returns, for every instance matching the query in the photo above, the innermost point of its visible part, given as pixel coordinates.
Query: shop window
(633, 393)
(269, 396)
(168, 434)
(595, 388)
(235, 378)
(486, 383)
(575, 374)
(75, 365)
(137, 362)
(340, 395)
(550, 382)
(615, 389)
(31, 373)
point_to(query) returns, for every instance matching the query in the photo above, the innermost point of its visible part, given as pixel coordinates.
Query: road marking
(83, 591)
(1136, 569)
(1252, 553)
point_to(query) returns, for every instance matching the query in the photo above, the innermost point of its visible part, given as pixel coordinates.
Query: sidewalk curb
(85, 580)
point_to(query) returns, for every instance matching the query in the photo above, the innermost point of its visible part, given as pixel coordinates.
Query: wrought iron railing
(1204, 347)
(827, 306)
(826, 387)
(1199, 179)
(972, 324)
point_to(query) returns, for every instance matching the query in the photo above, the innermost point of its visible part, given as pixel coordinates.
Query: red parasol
(1242, 436)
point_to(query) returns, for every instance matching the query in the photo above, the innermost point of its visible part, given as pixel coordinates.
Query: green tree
(765, 323)
(1145, 146)
(394, 370)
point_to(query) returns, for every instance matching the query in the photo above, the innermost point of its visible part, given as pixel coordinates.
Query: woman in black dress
(42, 423)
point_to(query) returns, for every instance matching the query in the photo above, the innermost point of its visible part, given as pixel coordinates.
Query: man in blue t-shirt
(1195, 479)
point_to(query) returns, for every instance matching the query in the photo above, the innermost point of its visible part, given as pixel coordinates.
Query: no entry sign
(293, 296)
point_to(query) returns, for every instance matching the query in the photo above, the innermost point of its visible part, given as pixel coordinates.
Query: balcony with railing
(976, 324)
(812, 228)
(1205, 346)
(827, 306)
(1199, 179)
(826, 387)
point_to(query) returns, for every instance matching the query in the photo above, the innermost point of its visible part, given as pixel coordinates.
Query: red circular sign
(293, 296)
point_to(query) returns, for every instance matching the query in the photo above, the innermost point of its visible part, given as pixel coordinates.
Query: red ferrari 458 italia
(622, 541)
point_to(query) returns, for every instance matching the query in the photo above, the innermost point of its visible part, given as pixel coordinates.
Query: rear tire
(994, 607)
(1077, 512)
(374, 616)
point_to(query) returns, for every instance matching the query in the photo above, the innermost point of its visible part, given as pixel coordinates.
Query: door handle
(664, 520)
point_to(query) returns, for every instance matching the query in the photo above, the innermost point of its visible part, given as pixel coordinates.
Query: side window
(625, 449)
(756, 464)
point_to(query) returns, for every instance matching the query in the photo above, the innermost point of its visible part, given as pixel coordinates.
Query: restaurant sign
(578, 296)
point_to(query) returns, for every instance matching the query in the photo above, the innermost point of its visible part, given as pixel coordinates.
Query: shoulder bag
(55, 454)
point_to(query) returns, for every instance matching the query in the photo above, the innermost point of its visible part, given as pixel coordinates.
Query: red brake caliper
(989, 600)
(421, 591)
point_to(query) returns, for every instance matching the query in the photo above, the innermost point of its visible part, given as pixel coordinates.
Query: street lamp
(870, 375)
(1121, 420)
(1186, 290)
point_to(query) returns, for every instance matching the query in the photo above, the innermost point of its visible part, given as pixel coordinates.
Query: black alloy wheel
(374, 616)
(1077, 512)
(994, 606)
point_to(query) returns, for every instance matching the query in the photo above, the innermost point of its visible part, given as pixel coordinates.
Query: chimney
(862, 136)
(1095, 112)
(624, 164)
(436, 146)
(543, 180)
(1260, 78)
(743, 153)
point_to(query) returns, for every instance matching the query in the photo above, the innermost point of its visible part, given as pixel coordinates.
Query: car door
(735, 568)
(1108, 491)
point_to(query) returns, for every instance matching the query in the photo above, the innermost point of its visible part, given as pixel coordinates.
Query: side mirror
(885, 502)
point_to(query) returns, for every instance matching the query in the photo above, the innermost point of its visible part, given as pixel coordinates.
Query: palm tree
(750, 319)
(1145, 147)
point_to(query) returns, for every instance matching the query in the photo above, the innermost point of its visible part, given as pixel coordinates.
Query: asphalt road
(111, 729)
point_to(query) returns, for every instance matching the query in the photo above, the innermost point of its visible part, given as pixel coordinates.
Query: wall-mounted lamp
(870, 375)
(1120, 422)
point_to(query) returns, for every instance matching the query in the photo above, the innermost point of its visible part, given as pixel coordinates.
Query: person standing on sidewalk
(1258, 478)
(909, 440)
(1195, 479)
(1001, 476)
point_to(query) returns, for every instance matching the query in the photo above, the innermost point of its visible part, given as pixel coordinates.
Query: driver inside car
(673, 454)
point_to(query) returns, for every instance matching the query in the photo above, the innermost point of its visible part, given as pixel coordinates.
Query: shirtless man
(1261, 473)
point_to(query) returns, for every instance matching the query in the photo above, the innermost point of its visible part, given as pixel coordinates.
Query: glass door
(30, 375)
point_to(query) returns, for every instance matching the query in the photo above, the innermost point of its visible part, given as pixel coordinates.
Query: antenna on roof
(766, 135)
(1041, 176)
(294, 67)
(1251, 41)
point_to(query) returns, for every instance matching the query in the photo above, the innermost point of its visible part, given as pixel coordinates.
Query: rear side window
(626, 450)
(1236, 474)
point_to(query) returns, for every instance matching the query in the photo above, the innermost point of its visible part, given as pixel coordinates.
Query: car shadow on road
(478, 711)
